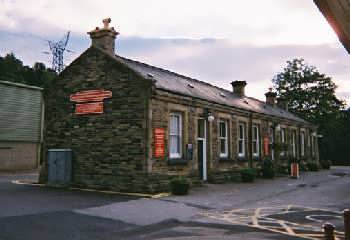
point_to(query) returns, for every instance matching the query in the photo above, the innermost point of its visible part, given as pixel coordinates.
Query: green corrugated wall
(20, 113)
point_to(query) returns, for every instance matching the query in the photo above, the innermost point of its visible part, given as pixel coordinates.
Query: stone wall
(109, 149)
(163, 103)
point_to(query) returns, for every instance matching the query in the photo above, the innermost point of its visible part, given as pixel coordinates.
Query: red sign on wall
(90, 101)
(85, 108)
(266, 145)
(159, 135)
(90, 96)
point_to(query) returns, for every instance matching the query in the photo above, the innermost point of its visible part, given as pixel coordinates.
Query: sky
(214, 41)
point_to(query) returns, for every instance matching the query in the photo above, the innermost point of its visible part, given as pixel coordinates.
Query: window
(302, 144)
(283, 140)
(175, 135)
(294, 149)
(241, 140)
(255, 140)
(223, 138)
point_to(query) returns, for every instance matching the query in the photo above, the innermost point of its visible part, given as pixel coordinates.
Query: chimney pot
(239, 87)
(104, 38)
(271, 97)
(282, 103)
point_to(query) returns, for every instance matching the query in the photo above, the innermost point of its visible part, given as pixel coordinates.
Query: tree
(311, 95)
(12, 70)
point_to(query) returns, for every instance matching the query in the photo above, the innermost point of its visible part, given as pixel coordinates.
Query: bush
(248, 175)
(283, 169)
(267, 168)
(303, 166)
(326, 164)
(312, 166)
(179, 186)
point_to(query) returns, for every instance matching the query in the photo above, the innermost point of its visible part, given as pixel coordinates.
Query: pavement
(282, 208)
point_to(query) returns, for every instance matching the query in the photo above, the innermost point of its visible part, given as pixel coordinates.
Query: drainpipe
(250, 136)
(299, 144)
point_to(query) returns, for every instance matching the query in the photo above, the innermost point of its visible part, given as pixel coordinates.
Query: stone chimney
(239, 87)
(271, 97)
(104, 38)
(282, 103)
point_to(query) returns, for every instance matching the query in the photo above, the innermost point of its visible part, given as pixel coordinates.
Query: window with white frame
(255, 140)
(223, 138)
(283, 140)
(302, 144)
(241, 140)
(175, 138)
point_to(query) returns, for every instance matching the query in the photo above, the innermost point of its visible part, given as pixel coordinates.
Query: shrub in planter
(248, 175)
(326, 164)
(312, 166)
(283, 169)
(303, 166)
(179, 186)
(267, 168)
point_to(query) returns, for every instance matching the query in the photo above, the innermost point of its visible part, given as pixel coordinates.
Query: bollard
(347, 224)
(328, 231)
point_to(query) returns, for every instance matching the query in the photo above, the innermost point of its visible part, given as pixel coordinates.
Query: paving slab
(143, 211)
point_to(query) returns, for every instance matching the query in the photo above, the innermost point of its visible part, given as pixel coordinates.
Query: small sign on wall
(90, 101)
(266, 145)
(85, 108)
(159, 145)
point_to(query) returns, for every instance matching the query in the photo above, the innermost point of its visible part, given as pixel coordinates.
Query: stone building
(132, 126)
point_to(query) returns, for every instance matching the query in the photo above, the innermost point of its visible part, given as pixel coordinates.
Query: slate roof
(174, 82)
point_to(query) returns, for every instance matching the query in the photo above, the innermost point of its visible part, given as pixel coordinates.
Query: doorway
(202, 148)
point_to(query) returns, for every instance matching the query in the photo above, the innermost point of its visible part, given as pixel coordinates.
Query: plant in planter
(303, 166)
(179, 185)
(326, 164)
(248, 175)
(267, 168)
(312, 166)
(283, 169)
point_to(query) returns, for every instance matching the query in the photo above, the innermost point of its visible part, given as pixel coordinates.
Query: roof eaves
(15, 84)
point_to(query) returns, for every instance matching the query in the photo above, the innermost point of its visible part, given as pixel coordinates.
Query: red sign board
(266, 145)
(90, 101)
(85, 108)
(159, 135)
(90, 96)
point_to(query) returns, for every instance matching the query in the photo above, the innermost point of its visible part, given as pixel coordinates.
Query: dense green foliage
(312, 166)
(179, 185)
(267, 168)
(248, 174)
(311, 95)
(13, 70)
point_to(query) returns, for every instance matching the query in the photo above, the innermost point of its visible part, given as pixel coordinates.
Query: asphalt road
(268, 209)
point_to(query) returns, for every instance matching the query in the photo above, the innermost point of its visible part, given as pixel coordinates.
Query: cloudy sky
(214, 41)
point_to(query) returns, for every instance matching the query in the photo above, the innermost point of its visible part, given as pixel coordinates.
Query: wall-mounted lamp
(207, 114)
(278, 127)
(320, 136)
(314, 134)
(210, 117)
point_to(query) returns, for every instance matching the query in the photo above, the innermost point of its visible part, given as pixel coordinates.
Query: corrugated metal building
(21, 118)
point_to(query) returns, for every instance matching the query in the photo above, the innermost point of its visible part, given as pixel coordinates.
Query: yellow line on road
(286, 227)
(255, 217)
(144, 195)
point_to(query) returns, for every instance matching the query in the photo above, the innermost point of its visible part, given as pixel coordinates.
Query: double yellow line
(142, 195)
